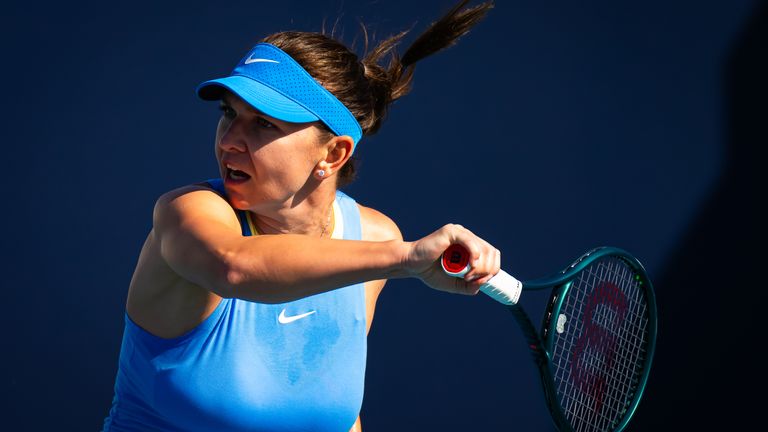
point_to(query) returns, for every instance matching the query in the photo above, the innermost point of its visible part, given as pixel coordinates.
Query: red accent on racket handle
(455, 260)
(503, 287)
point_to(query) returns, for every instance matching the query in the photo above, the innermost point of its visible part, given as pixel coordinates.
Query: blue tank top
(296, 366)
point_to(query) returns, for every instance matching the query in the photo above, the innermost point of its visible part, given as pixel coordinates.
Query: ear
(338, 150)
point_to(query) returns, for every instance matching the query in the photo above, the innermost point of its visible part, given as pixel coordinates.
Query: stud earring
(321, 173)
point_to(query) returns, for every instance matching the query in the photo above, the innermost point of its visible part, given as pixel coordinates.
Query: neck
(312, 216)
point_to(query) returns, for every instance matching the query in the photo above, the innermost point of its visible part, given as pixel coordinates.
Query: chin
(239, 204)
(236, 200)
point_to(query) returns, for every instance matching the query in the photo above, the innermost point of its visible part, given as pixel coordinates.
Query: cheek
(221, 126)
(281, 167)
(285, 163)
(220, 129)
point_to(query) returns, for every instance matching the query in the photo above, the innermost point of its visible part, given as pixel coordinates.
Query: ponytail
(393, 82)
(366, 87)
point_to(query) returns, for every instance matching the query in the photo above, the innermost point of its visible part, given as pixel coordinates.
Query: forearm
(281, 268)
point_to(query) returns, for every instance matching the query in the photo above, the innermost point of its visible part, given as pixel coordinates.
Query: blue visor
(272, 82)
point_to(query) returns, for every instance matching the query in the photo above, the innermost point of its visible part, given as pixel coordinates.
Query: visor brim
(259, 96)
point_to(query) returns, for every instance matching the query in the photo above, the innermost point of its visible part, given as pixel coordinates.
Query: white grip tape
(503, 288)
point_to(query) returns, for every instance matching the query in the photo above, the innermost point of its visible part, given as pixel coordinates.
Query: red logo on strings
(597, 341)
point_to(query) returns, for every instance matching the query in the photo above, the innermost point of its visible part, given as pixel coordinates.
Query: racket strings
(598, 359)
(620, 376)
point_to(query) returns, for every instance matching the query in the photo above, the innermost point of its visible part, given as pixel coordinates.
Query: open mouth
(236, 175)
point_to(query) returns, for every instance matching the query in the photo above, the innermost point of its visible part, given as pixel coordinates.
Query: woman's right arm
(200, 239)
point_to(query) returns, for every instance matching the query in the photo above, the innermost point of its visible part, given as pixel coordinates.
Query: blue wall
(559, 125)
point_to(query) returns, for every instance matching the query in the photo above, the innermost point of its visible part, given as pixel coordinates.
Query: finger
(484, 265)
(475, 274)
(494, 266)
(459, 284)
(471, 288)
(487, 269)
(466, 288)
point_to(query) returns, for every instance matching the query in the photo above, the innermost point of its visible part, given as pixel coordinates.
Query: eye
(264, 123)
(227, 111)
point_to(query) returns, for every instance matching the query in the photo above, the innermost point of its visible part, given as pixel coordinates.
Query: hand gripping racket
(597, 338)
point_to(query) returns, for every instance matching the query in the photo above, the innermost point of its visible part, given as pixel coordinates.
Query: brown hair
(365, 87)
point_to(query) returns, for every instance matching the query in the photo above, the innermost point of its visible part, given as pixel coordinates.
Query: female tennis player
(253, 293)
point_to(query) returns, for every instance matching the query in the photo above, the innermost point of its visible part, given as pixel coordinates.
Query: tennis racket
(597, 338)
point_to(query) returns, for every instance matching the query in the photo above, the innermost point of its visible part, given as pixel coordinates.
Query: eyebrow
(252, 110)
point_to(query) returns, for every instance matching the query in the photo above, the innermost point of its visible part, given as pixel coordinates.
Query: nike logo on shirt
(282, 319)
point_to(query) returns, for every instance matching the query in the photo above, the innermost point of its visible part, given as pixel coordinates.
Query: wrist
(401, 252)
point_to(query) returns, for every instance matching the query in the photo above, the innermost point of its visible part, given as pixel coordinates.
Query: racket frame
(541, 342)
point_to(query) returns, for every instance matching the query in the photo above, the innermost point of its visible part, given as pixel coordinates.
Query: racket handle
(503, 287)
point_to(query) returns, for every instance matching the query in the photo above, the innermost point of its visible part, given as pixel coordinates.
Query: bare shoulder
(162, 298)
(377, 226)
(189, 195)
(192, 202)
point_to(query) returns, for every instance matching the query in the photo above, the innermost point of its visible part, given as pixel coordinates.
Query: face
(264, 162)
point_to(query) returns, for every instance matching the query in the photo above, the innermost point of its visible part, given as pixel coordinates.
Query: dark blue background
(551, 128)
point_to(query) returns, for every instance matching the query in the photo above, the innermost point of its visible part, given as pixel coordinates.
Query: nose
(231, 137)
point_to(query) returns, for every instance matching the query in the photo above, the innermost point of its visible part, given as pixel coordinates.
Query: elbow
(231, 282)
(238, 280)
(229, 278)
(218, 273)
